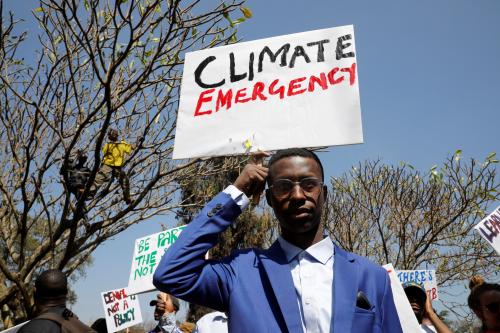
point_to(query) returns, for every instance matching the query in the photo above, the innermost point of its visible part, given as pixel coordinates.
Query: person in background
(213, 322)
(422, 307)
(166, 307)
(484, 300)
(100, 326)
(51, 291)
(113, 159)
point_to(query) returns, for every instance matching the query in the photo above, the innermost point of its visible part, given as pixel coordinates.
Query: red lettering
(331, 76)
(352, 73)
(258, 88)
(224, 100)
(295, 84)
(280, 90)
(239, 96)
(321, 80)
(202, 99)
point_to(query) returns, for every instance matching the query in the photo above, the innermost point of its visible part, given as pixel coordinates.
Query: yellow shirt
(114, 153)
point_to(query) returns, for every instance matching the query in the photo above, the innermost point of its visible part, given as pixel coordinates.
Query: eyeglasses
(493, 307)
(283, 187)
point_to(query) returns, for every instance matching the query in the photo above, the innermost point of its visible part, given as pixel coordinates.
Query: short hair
(477, 287)
(51, 284)
(112, 133)
(290, 152)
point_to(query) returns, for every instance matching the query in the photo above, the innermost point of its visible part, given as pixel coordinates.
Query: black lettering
(199, 70)
(321, 49)
(341, 46)
(273, 56)
(299, 51)
(234, 77)
(250, 67)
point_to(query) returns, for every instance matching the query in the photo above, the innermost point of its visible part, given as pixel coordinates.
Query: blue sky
(429, 76)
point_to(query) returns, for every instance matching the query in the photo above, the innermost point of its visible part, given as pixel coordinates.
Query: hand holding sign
(252, 179)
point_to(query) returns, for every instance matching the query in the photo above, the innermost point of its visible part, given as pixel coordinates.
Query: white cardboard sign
(426, 278)
(121, 309)
(409, 322)
(147, 254)
(489, 229)
(298, 90)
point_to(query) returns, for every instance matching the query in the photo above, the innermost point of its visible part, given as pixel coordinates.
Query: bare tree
(97, 65)
(394, 214)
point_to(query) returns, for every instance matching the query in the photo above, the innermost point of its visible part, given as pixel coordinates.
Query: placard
(426, 278)
(298, 90)
(489, 229)
(121, 309)
(407, 318)
(147, 254)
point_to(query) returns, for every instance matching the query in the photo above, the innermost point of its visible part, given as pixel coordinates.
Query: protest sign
(121, 309)
(298, 90)
(147, 254)
(489, 229)
(427, 278)
(407, 318)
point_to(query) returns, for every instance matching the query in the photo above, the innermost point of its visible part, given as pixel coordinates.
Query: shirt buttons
(308, 301)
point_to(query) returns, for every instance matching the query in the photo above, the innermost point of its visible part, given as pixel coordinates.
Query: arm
(183, 270)
(433, 317)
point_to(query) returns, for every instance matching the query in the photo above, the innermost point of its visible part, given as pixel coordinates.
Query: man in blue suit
(302, 283)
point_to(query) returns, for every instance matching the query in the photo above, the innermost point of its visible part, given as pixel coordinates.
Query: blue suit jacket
(255, 286)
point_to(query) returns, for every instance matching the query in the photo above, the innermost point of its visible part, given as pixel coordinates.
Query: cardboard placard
(298, 90)
(489, 229)
(409, 322)
(121, 309)
(147, 254)
(426, 278)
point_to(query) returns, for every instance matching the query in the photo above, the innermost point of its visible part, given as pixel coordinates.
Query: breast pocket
(363, 321)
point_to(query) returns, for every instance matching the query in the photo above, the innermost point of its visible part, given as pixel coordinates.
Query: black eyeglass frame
(318, 184)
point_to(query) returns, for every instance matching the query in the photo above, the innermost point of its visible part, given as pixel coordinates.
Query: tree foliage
(95, 65)
(395, 214)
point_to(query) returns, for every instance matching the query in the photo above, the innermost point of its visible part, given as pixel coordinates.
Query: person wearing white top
(213, 322)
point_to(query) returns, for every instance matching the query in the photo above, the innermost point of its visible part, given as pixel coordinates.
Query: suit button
(218, 206)
(210, 214)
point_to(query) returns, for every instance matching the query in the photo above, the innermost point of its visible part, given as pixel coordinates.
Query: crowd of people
(302, 283)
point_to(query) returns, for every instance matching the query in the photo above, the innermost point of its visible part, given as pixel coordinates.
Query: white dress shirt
(213, 322)
(312, 274)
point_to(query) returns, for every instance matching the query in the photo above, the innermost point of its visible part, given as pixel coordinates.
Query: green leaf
(238, 21)
(38, 9)
(86, 4)
(246, 12)
(194, 32)
(58, 39)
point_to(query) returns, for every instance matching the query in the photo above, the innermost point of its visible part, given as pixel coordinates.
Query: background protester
(100, 326)
(484, 300)
(51, 290)
(166, 306)
(213, 322)
(113, 159)
(422, 307)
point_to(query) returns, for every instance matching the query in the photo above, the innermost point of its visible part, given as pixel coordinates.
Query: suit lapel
(345, 289)
(280, 277)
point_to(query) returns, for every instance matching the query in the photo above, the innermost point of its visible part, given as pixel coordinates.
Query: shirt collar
(321, 251)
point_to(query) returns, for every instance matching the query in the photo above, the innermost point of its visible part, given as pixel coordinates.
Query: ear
(268, 198)
(325, 192)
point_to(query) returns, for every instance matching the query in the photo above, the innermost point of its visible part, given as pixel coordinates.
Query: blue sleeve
(390, 322)
(183, 270)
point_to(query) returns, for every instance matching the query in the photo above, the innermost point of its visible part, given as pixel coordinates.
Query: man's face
(417, 305)
(298, 210)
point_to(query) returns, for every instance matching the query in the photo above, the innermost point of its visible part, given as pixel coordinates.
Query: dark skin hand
(252, 179)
